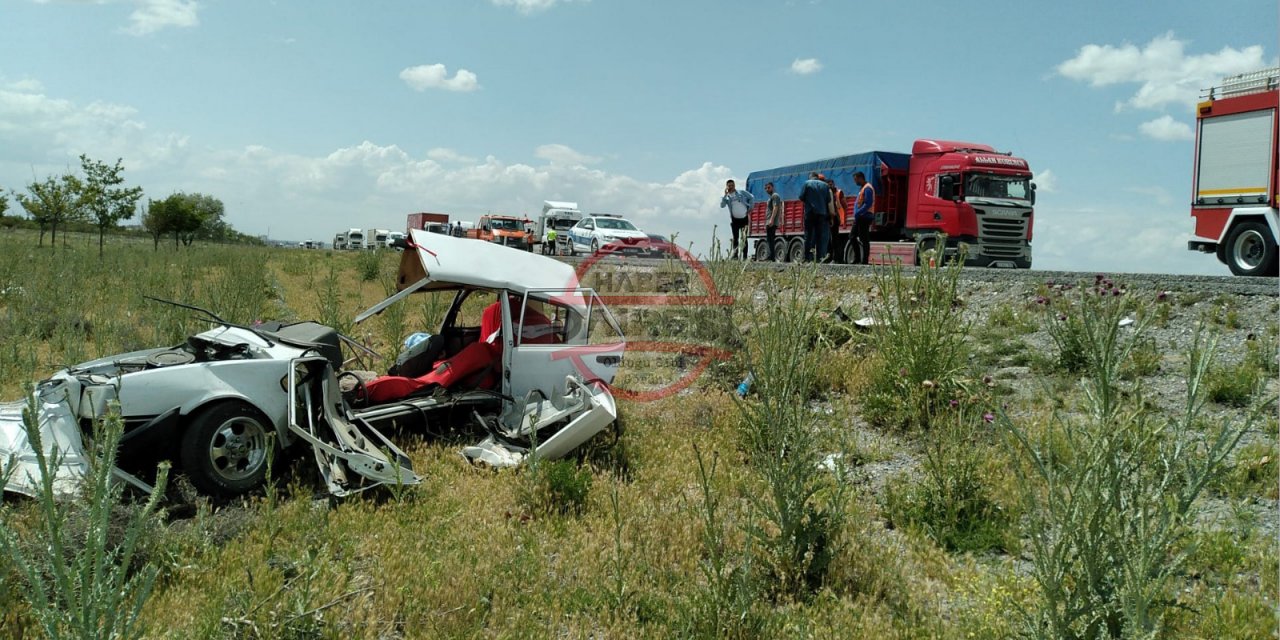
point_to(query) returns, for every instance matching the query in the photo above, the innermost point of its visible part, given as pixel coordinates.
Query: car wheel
(224, 450)
(1251, 250)
(595, 246)
(762, 250)
(795, 252)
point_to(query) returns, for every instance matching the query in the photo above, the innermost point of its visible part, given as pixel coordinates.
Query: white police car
(607, 233)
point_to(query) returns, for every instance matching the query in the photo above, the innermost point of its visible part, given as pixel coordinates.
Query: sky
(309, 117)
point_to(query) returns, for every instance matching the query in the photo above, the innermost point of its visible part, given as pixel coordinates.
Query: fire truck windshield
(990, 185)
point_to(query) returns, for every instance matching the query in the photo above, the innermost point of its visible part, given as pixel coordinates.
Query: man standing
(816, 196)
(837, 216)
(862, 215)
(772, 218)
(739, 204)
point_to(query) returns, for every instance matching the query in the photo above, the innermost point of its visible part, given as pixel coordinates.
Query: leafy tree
(155, 219)
(102, 196)
(52, 202)
(203, 219)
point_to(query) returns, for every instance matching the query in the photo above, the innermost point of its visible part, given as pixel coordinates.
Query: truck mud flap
(351, 455)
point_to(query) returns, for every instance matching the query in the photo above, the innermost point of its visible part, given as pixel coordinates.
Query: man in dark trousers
(772, 218)
(816, 196)
(739, 204)
(862, 215)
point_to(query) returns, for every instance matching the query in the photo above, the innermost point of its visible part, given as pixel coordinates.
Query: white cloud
(528, 7)
(150, 16)
(444, 155)
(1130, 238)
(563, 155)
(806, 66)
(436, 76)
(1167, 129)
(1164, 72)
(1045, 181)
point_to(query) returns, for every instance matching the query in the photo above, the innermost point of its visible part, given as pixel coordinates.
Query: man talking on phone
(739, 204)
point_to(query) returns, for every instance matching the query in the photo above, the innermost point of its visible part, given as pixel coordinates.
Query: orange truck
(508, 231)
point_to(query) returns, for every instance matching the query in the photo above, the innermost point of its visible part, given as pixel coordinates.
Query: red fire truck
(1236, 173)
(970, 193)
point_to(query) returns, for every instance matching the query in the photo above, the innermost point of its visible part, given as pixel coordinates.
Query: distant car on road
(607, 233)
(660, 247)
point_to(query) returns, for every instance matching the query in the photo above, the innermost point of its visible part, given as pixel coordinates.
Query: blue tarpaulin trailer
(788, 180)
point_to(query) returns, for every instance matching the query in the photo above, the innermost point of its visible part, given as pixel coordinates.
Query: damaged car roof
(449, 262)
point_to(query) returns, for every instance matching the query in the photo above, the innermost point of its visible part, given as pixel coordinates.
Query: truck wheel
(795, 250)
(1250, 250)
(851, 251)
(780, 249)
(762, 250)
(224, 449)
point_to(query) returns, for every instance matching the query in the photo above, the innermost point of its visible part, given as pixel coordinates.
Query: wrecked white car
(531, 377)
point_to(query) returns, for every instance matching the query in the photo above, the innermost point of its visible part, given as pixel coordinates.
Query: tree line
(98, 196)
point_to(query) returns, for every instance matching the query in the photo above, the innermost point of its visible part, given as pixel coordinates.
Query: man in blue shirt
(739, 204)
(862, 215)
(816, 196)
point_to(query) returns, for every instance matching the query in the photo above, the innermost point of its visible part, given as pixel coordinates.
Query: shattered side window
(602, 328)
(558, 320)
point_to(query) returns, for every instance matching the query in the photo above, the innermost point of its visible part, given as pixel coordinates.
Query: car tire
(1251, 251)
(795, 250)
(595, 246)
(225, 449)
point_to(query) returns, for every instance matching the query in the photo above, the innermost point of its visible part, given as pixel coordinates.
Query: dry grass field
(980, 465)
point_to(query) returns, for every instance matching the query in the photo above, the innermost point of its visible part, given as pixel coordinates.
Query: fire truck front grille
(1002, 236)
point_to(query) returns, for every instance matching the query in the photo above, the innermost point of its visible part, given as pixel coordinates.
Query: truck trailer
(376, 238)
(966, 192)
(430, 222)
(1234, 182)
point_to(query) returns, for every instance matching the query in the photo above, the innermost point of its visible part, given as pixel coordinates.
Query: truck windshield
(563, 223)
(505, 224)
(614, 223)
(989, 185)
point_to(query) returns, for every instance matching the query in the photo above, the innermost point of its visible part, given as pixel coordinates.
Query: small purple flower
(988, 380)
(1062, 317)
(902, 372)
(988, 417)
(1162, 296)
(1116, 292)
(954, 403)
(1099, 277)
(1042, 300)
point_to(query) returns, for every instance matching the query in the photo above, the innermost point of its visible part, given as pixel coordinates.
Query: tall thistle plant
(82, 585)
(1111, 495)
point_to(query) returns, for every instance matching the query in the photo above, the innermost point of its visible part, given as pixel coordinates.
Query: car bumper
(59, 442)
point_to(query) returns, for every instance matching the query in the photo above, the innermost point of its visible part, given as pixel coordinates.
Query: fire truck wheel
(1251, 251)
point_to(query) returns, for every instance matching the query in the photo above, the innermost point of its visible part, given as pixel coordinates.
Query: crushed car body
(531, 378)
